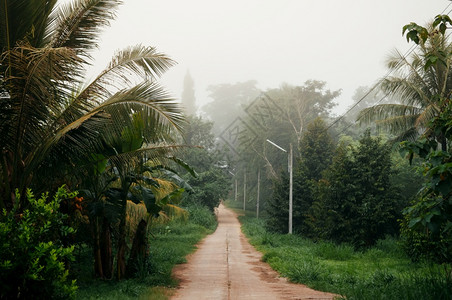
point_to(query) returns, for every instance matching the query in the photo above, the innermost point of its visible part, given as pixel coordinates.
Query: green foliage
(211, 183)
(209, 188)
(381, 272)
(356, 202)
(415, 33)
(52, 119)
(169, 244)
(277, 206)
(427, 223)
(316, 150)
(201, 215)
(33, 259)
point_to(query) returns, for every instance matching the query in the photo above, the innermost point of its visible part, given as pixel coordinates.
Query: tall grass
(382, 272)
(169, 243)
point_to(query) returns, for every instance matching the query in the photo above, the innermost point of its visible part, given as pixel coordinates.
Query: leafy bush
(208, 188)
(33, 260)
(201, 215)
(357, 203)
(381, 272)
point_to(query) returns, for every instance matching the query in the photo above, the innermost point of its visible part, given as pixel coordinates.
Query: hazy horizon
(343, 43)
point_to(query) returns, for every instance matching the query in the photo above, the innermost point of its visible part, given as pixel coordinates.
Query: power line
(354, 123)
(407, 53)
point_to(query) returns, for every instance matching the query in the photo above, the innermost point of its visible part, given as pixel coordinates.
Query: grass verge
(382, 272)
(169, 244)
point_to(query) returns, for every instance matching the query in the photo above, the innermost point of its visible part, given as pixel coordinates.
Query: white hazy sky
(344, 43)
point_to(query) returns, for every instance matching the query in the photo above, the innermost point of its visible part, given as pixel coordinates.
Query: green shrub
(33, 260)
(201, 215)
(306, 271)
(208, 188)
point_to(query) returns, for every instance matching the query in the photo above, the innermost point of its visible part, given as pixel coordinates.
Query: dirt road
(226, 266)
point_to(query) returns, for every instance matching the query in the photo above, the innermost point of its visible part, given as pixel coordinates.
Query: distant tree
(277, 206)
(357, 202)
(302, 104)
(229, 102)
(282, 119)
(316, 151)
(188, 95)
(212, 183)
(198, 133)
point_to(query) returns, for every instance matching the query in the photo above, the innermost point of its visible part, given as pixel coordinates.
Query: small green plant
(33, 260)
(201, 215)
(331, 251)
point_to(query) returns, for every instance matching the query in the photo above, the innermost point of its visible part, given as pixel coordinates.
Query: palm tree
(50, 118)
(418, 90)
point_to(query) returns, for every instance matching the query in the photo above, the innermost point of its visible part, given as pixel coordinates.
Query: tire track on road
(226, 266)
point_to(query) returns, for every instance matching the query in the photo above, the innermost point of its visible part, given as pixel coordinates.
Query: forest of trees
(95, 163)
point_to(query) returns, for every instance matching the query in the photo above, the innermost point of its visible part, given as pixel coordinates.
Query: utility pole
(235, 191)
(290, 188)
(290, 165)
(258, 192)
(244, 192)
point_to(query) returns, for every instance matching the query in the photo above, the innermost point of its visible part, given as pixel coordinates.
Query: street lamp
(290, 163)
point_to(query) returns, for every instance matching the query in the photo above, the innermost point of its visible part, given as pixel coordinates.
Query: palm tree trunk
(121, 255)
(139, 248)
(106, 250)
(98, 270)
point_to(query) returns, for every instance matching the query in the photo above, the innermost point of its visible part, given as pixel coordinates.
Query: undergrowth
(381, 272)
(169, 244)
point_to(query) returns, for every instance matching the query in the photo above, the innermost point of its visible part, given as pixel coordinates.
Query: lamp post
(258, 192)
(290, 163)
(244, 191)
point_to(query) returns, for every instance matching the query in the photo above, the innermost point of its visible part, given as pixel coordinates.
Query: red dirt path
(226, 266)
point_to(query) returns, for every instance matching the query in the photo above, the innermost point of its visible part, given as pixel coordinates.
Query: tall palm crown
(49, 115)
(418, 89)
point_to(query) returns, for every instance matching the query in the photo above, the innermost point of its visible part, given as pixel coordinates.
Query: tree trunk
(121, 259)
(105, 250)
(138, 253)
(98, 270)
(121, 255)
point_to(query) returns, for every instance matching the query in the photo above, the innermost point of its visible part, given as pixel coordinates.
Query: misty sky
(344, 43)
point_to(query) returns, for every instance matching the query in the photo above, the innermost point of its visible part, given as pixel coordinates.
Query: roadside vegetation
(106, 184)
(169, 244)
(380, 272)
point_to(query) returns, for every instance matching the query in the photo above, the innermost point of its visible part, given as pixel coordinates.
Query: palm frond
(79, 24)
(158, 154)
(409, 91)
(37, 89)
(137, 62)
(71, 142)
(425, 116)
(23, 20)
(409, 135)
(384, 111)
(160, 113)
(397, 124)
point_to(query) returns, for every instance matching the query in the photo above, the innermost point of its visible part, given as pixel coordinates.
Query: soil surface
(226, 266)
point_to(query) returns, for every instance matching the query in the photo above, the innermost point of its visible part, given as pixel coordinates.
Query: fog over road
(226, 266)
